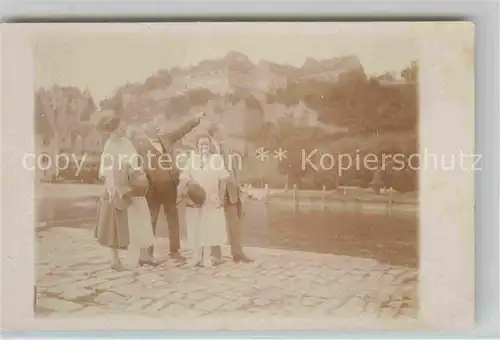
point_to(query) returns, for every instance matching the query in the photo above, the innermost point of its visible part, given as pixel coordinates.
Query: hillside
(337, 89)
(325, 104)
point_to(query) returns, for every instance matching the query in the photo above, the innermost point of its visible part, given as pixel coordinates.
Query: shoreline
(362, 199)
(84, 189)
(344, 198)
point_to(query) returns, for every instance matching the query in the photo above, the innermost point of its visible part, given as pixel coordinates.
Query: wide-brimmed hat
(105, 120)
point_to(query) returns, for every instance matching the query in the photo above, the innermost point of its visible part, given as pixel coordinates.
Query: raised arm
(184, 129)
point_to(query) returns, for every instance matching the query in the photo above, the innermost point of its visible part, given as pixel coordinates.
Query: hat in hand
(196, 193)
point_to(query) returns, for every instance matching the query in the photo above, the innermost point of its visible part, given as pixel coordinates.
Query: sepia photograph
(233, 171)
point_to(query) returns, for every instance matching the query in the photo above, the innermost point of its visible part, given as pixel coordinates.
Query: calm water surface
(388, 239)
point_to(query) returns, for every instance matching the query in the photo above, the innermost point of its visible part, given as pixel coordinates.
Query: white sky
(103, 60)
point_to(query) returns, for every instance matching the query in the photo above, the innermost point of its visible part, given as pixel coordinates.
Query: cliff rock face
(243, 92)
(234, 82)
(330, 70)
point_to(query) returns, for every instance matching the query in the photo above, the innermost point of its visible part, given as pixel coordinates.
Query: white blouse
(116, 155)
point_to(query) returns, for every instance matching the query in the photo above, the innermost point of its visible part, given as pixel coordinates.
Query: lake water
(389, 239)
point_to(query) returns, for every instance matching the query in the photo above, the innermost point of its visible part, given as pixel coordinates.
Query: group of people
(128, 220)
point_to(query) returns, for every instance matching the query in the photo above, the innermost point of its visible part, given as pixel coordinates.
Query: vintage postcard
(238, 176)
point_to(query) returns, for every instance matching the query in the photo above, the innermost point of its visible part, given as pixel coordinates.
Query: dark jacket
(160, 167)
(232, 165)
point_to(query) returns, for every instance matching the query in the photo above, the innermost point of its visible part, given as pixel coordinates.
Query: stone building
(62, 128)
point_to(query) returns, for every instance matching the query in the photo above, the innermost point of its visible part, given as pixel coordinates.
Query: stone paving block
(109, 298)
(353, 307)
(396, 271)
(349, 279)
(54, 280)
(216, 289)
(201, 295)
(327, 306)
(211, 304)
(410, 312)
(239, 303)
(396, 305)
(310, 301)
(333, 274)
(229, 294)
(157, 306)
(313, 271)
(138, 305)
(91, 311)
(341, 291)
(105, 285)
(89, 282)
(385, 293)
(129, 289)
(375, 276)
(407, 290)
(387, 278)
(388, 312)
(323, 292)
(190, 313)
(301, 285)
(58, 305)
(176, 295)
(373, 307)
(76, 293)
(149, 277)
(296, 271)
(293, 305)
(112, 275)
(184, 302)
(262, 302)
(53, 290)
(288, 265)
(409, 276)
(176, 310)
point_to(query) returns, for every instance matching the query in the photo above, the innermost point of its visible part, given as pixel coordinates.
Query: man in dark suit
(163, 176)
(233, 206)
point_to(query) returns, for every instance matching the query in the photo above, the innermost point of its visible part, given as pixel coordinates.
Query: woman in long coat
(123, 220)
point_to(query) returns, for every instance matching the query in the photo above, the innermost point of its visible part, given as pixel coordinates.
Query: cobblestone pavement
(73, 277)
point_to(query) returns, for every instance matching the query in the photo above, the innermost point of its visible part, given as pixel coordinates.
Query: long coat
(112, 220)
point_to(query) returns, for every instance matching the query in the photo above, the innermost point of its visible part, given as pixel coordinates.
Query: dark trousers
(172, 216)
(233, 223)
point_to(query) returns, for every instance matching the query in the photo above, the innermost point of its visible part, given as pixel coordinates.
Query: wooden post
(294, 194)
(345, 192)
(323, 197)
(267, 192)
(390, 201)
